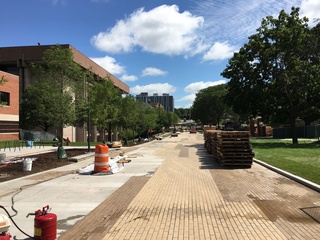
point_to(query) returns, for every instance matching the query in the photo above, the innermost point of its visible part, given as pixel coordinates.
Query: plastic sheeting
(115, 167)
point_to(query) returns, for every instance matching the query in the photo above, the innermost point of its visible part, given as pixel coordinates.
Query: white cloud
(219, 51)
(162, 30)
(166, 30)
(187, 98)
(150, 71)
(110, 64)
(128, 78)
(159, 88)
(197, 86)
(310, 9)
(235, 20)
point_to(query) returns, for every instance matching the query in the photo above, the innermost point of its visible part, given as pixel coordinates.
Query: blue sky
(175, 46)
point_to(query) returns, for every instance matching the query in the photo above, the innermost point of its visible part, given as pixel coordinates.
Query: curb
(293, 177)
(81, 157)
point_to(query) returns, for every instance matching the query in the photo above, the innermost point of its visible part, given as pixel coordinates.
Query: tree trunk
(61, 133)
(110, 133)
(103, 135)
(293, 130)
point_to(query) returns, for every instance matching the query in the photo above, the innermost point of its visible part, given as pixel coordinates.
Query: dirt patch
(44, 161)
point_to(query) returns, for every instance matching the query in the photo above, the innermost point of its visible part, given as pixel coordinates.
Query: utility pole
(88, 124)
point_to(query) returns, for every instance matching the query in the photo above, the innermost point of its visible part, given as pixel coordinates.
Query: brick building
(9, 109)
(17, 61)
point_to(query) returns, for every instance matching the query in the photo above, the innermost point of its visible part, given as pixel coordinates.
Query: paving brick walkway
(192, 197)
(98, 222)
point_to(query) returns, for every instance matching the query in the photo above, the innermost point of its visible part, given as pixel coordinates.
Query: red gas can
(45, 225)
(5, 236)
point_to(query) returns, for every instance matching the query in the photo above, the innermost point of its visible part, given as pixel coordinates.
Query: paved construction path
(192, 197)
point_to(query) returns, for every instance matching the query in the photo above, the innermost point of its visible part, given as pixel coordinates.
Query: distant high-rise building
(165, 100)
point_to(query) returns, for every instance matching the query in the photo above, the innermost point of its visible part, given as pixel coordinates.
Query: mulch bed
(44, 161)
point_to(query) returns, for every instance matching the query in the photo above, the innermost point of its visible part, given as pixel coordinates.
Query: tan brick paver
(182, 201)
(192, 197)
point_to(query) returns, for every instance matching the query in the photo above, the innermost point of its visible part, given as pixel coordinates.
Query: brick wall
(9, 115)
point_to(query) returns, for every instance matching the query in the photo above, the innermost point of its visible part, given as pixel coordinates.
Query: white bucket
(2, 157)
(27, 164)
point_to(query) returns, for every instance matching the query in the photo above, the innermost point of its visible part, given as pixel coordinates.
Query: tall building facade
(165, 100)
(17, 61)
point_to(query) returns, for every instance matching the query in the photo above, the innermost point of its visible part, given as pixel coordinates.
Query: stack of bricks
(230, 148)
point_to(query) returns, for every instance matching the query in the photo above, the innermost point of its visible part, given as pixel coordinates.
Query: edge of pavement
(296, 178)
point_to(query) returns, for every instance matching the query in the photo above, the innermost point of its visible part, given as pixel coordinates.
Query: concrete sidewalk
(70, 195)
(172, 189)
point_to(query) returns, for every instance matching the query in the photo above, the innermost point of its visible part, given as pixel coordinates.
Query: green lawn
(302, 160)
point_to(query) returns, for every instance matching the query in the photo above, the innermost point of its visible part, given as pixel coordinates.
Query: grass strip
(302, 160)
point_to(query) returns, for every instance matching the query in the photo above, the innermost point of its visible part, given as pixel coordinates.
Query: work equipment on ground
(45, 224)
(4, 227)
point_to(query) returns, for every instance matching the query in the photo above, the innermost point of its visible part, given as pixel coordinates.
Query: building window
(5, 98)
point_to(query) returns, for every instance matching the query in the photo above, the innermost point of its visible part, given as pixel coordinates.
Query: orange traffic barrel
(101, 158)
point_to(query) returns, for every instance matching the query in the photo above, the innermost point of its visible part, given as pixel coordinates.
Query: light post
(88, 123)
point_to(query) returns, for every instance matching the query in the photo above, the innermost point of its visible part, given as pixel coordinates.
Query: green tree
(310, 75)
(208, 106)
(60, 79)
(275, 72)
(129, 113)
(38, 108)
(104, 105)
(147, 118)
(163, 119)
(178, 112)
(183, 113)
(174, 120)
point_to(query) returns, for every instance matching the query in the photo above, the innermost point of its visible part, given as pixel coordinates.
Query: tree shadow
(276, 143)
(207, 161)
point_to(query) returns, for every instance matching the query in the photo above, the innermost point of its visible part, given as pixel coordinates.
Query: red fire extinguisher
(45, 225)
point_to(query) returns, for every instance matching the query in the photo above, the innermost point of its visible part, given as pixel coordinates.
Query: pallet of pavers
(233, 148)
(208, 140)
(211, 140)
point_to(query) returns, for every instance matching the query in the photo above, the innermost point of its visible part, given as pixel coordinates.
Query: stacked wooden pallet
(231, 148)
(208, 140)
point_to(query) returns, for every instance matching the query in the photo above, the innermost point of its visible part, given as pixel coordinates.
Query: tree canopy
(208, 106)
(183, 113)
(275, 73)
(50, 101)
(105, 101)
